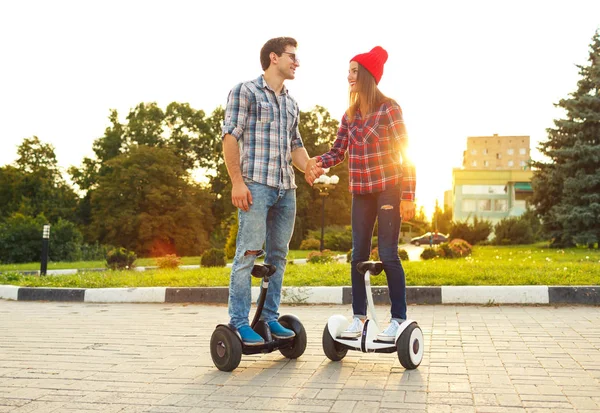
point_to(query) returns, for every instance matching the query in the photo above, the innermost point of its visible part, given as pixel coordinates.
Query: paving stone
(129, 358)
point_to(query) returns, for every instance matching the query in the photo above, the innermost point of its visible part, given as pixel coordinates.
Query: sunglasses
(293, 57)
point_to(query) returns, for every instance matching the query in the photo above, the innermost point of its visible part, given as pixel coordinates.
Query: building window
(486, 163)
(523, 163)
(483, 189)
(510, 151)
(474, 163)
(498, 156)
(468, 205)
(500, 205)
(511, 163)
(473, 151)
(485, 151)
(522, 151)
(485, 205)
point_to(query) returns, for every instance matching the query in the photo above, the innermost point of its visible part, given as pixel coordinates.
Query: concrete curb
(487, 295)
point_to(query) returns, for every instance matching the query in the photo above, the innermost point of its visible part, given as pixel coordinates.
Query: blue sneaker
(279, 331)
(250, 337)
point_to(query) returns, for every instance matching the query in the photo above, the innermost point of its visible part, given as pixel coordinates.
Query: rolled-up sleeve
(337, 153)
(409, 172)
(296, 141)
(236, 112)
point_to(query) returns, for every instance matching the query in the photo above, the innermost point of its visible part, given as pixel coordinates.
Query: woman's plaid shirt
(376, 146)
(266, 127)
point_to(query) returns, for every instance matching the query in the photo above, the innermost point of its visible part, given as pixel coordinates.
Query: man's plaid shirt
(375, 146)
(266, 127)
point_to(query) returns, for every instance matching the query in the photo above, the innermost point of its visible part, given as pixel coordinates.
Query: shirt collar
(262, 83)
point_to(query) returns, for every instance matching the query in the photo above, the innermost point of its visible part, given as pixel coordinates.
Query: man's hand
(407, 210)
(241, 197)
(312, 170)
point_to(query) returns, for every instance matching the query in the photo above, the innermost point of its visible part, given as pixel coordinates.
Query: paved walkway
(82, 357)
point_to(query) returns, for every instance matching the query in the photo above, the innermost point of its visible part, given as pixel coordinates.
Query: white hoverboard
(408, 343)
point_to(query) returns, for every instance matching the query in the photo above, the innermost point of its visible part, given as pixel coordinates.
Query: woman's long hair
(368, 98)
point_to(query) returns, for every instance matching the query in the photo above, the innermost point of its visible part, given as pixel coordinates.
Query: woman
(382, 183)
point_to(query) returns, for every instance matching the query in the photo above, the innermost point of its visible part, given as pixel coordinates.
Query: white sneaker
(353, 329)
(389, 334)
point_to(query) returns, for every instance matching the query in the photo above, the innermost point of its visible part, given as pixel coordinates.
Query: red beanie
(373, 61)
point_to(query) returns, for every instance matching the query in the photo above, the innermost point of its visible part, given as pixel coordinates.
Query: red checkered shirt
(376, 146)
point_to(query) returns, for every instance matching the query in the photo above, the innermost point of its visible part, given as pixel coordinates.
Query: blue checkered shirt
(266, 128)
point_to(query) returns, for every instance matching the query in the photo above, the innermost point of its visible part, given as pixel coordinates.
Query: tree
(184, 130)
(567, 187)
(441, 221)
(34, 185)
(319, 130)
(147, 203)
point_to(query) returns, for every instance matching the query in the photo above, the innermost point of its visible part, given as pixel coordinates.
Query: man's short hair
(276, 45)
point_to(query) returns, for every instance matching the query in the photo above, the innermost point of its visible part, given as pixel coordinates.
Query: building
(495, 180)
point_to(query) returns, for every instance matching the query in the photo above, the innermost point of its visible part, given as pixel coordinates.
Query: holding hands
(313, 170)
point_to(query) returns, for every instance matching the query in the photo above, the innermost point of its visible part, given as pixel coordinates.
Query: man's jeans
(383, 206)
(269, 221)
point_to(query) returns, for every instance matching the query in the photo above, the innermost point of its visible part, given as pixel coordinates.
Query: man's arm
(241, 197)
(312, 170)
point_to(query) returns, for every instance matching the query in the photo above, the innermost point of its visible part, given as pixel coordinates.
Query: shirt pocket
(376, 133)
(264, 112)
(290, 121)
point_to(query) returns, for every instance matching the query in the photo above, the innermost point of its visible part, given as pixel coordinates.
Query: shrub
(428, 253)
(310, 244)
(213, 258)
(403, 254)
(513, 230)
(230, 245)
(374, 254)
(21, 239)
(477, 231)
(168, 261)
(336, 238)
(461, 247)
(349, 256)
(316, 257)
(120, 259)
(444, 251)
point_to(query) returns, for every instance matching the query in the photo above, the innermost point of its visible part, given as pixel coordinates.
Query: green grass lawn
(489, 265)
(140, 262)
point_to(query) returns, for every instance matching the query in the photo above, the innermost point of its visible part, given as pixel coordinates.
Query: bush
(336, 238)
(316, 257)
(513, 230)
(349, 256)
(444, 251)
(213, 258)
(428, 253)
(120, 259)
(374, 254)
(475, 232)
(21, 240)
(94, 252)
(230, 245)
(310, 244)
(403, 254)
(169, 261)
(460, 247)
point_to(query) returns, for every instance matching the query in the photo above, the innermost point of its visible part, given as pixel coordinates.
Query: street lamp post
(324, 184)
(45, 241)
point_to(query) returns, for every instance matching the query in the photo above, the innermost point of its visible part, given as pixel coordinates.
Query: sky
(457, 68)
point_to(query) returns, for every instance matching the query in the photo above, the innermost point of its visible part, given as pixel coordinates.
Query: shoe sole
(257, 343)
(282, 337)
(386, 339)
(348, 335)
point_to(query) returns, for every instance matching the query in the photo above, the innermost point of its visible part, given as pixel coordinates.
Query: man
(261, 141)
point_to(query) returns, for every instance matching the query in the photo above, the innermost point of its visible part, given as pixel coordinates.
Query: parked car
(424, 239)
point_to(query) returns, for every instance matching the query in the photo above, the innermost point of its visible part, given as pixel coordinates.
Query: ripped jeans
(383, 206)
(268, 222)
